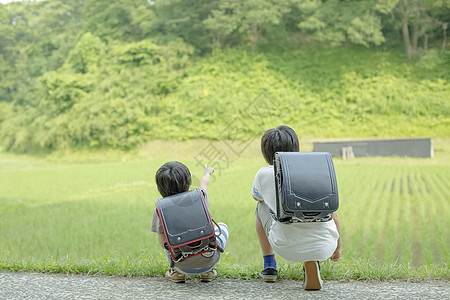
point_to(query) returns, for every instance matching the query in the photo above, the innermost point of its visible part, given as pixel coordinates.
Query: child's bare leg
(266, 248)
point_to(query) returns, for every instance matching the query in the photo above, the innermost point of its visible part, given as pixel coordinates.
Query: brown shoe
(208, 276)
(175, 276)
(312, 282)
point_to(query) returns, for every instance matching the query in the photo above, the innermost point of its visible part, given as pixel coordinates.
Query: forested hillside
(115, 74)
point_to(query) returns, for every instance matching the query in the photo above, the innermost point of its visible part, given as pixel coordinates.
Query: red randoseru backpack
(187, 224)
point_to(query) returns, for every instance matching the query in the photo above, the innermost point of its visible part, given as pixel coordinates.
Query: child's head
(280, 139)
(172, 178)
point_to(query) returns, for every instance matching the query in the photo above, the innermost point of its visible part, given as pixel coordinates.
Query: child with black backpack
(308, 242)
(172, 179)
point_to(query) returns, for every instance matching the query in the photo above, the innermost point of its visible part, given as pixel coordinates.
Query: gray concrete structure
(422, 147)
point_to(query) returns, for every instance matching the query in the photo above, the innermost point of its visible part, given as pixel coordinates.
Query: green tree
(7, 80)
(249, 18)
(418, 19)
(114, 20)
(336, 21)
(8, 54)
(7, 73)
(6, 33)
(43, 34)
(60, 91)
(86, 54)
(184, 19)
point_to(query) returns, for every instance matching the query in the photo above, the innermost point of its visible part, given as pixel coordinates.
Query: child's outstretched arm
(337, 253)
(205, 179)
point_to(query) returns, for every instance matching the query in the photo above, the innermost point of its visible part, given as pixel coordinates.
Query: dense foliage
(87, 74)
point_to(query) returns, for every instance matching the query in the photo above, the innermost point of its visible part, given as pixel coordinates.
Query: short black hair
(280, 139)
(173, 178)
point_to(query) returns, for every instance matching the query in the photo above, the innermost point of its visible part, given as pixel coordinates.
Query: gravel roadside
(24, 285)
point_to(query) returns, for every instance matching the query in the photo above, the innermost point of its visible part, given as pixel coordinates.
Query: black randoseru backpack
(305, 187)
(187, 224)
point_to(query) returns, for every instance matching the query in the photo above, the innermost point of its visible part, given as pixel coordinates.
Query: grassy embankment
(347, 91)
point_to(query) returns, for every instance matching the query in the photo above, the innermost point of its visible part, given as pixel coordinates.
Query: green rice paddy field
(91, 212)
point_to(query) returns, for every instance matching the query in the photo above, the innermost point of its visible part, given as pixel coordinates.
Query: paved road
(59, 286)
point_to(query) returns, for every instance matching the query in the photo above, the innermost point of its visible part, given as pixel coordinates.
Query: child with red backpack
(174, 178)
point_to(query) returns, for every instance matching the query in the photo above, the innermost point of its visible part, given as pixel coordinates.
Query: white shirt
(298, 242)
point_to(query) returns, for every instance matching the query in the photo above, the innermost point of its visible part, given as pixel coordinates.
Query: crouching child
(307, 242)
(174, 178)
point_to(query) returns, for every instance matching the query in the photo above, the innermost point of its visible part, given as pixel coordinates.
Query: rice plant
(94, 217)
